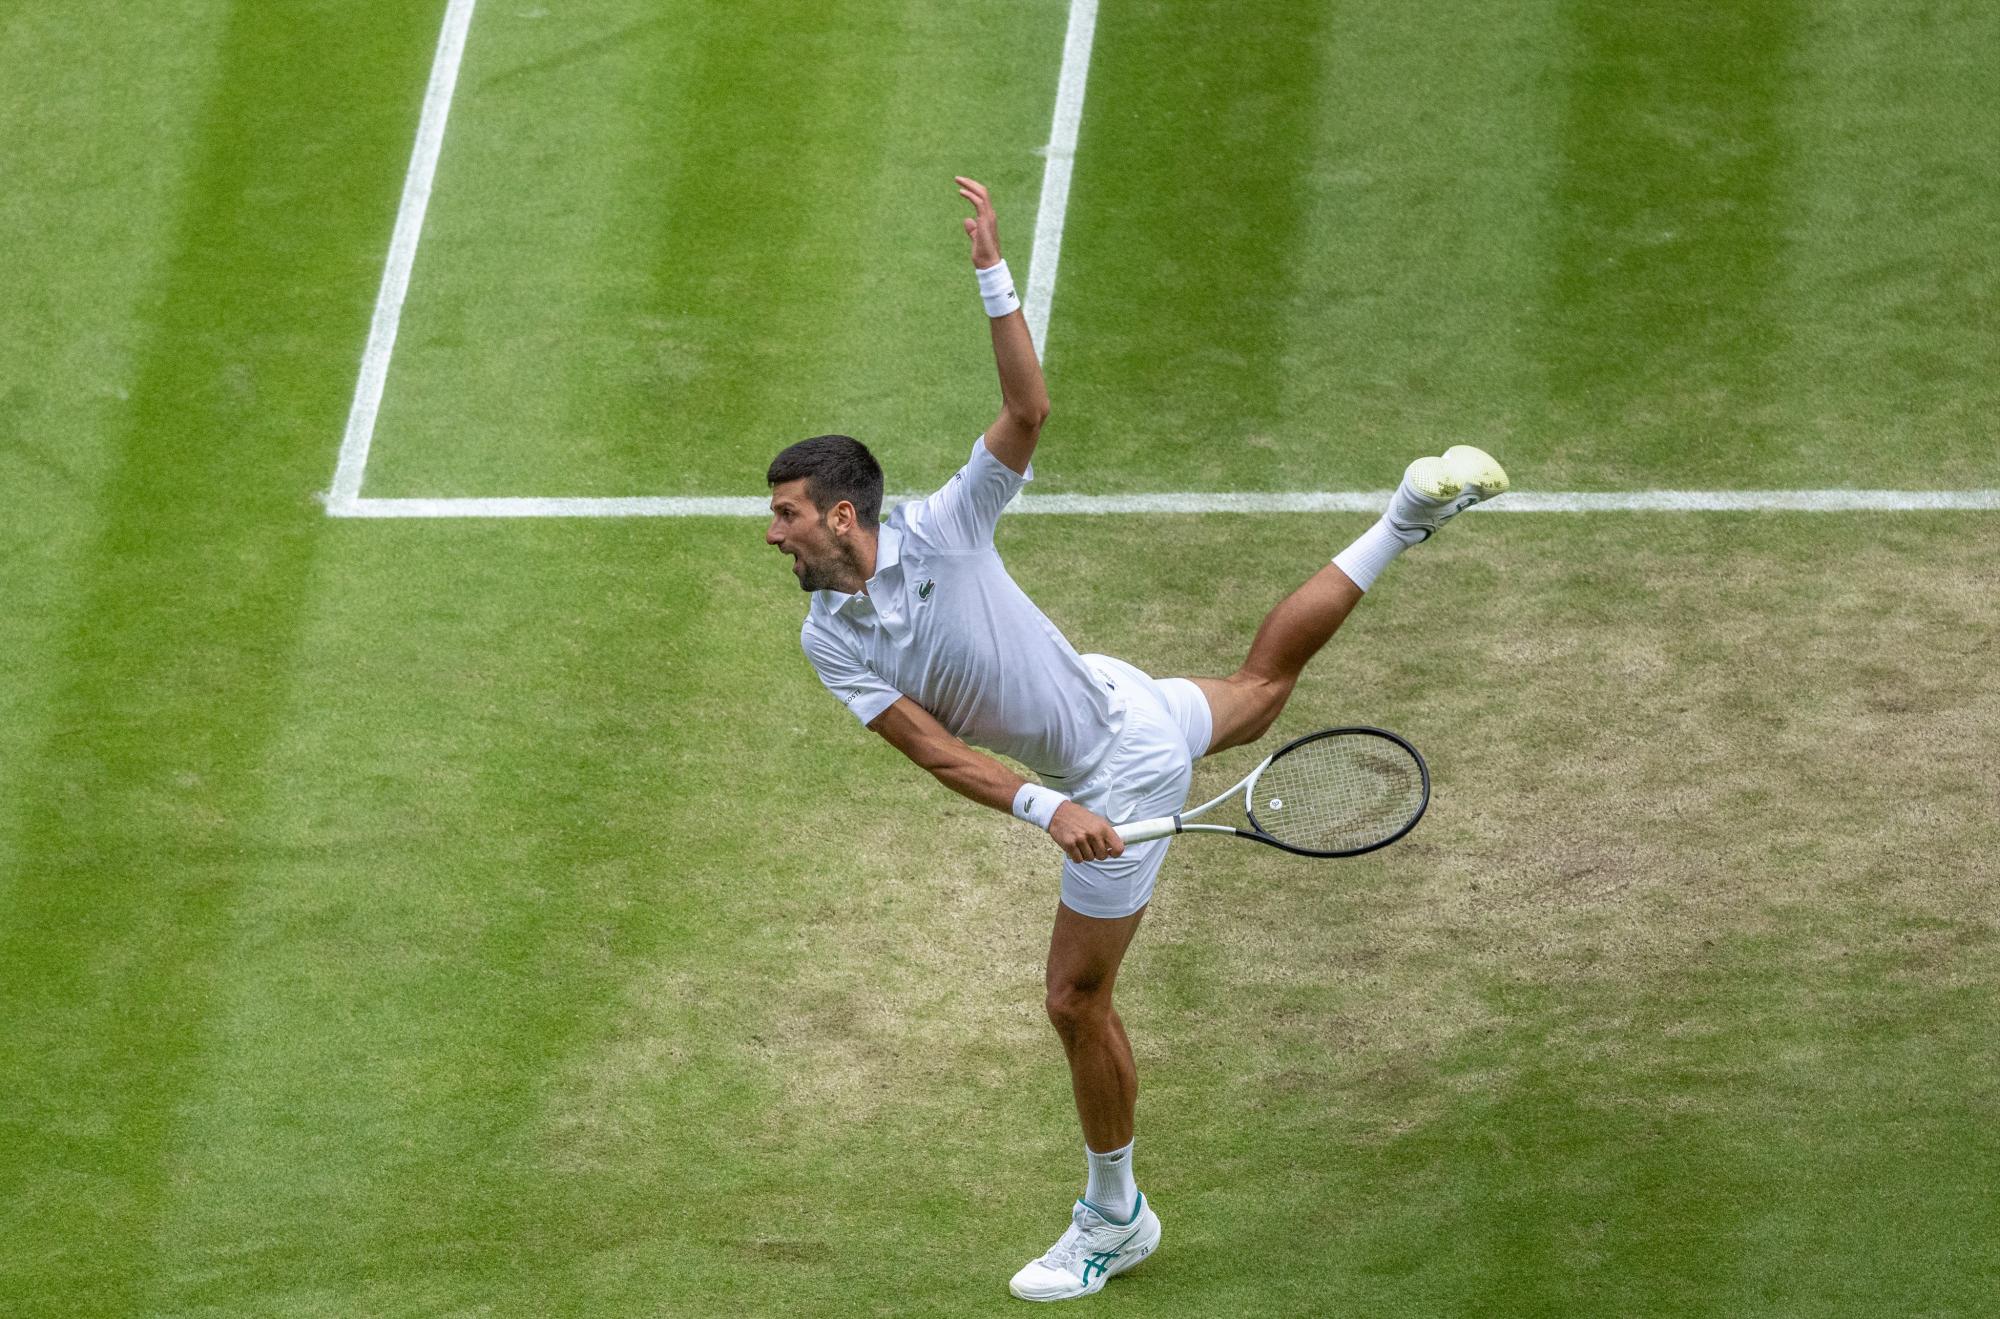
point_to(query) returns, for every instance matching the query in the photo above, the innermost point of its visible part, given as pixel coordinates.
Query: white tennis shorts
(1164, 727)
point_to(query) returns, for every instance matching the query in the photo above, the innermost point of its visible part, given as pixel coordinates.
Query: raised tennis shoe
(1091, 1251)
(1436, 490)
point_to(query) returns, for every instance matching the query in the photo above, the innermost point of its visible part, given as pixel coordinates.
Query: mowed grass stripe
(436, 991)
(1895, 216)
(92, 185)
(1420, 255)
(1658, 323)
(1180, 249)
(753, 235)
(142, 825)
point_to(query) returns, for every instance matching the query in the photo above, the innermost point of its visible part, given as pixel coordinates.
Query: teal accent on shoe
(1138, 1208)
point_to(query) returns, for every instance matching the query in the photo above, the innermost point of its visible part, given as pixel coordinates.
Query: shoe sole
(1475, 470)
(1434, 478)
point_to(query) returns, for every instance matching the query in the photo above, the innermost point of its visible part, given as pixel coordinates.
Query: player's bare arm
(1082, 834)
(1024, 396)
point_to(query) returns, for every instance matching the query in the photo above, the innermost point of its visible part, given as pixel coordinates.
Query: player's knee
(1076, 1009)
(1262, 698)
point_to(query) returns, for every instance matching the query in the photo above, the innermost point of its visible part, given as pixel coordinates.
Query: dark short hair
(835, 467)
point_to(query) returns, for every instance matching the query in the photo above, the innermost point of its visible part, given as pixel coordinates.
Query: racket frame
(1164, 826)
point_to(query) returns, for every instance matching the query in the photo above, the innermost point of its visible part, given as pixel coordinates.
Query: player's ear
(841, 518)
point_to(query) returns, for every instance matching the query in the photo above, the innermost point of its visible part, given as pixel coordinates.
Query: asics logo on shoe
(1101, 1261)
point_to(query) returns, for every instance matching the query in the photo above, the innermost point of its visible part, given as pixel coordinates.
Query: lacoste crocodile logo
(924, 591)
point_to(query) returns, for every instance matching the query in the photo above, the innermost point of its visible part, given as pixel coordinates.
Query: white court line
(402, 255)
(1047, 252)
(1335, 501)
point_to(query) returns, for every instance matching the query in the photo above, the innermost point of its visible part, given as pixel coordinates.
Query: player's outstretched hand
(1083, 834)
(981, 227)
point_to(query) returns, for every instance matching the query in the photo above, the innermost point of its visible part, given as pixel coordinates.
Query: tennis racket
(1339, 792)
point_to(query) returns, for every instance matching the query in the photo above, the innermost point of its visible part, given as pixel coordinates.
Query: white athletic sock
(1111, 1190)
(1365, 559)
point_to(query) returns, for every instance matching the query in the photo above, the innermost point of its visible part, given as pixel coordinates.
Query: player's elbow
(1030, 414)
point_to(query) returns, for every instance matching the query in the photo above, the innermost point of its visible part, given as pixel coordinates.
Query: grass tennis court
(497, 918)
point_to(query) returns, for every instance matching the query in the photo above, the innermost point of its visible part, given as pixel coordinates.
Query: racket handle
(1145, 831)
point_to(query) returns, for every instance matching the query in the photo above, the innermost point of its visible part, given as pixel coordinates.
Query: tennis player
(917, 628)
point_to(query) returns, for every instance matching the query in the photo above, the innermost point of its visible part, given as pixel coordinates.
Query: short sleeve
(962, 514)
(856, 686)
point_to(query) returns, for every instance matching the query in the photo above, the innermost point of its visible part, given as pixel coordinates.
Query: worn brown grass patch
(1652, 739)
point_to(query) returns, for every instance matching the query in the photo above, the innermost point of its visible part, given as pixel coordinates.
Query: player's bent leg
(1244, 705)
(1433, 490)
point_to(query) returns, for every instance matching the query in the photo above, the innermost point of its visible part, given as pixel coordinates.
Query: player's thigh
(1085, 951)
(1240, 710)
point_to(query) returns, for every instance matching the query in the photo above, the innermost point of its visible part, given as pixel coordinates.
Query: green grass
(498, 918)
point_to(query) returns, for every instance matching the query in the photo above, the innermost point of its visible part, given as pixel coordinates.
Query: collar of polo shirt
(888, 555)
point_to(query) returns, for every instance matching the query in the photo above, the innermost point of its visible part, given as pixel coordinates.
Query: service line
(1300, 501)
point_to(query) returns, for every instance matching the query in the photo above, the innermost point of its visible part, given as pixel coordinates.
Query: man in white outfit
(917, 628)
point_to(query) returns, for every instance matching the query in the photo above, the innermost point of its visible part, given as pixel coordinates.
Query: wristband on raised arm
(996, 290)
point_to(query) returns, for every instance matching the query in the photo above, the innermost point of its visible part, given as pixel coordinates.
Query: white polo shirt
(942, 623)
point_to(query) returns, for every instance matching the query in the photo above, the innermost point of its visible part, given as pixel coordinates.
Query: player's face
(799, 529)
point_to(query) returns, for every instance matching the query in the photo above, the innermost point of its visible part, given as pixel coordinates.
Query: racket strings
(1338, 794)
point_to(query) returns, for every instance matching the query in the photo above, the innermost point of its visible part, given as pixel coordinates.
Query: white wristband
(1036, 804)
(996, 290)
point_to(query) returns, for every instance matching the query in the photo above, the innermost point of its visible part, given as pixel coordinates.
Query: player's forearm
(969, 773)
(1024, 394)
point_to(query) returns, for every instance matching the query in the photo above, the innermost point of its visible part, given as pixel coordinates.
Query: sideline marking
(402, 255)
(1302, 501)
(1049, 215)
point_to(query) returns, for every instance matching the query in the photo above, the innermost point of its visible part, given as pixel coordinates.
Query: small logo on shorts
(924, 591)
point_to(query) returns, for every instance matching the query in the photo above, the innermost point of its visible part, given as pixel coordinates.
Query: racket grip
(1145, 831)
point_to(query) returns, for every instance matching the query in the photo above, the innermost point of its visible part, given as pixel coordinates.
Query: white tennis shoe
(1087, 1254)
(1435, 490)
